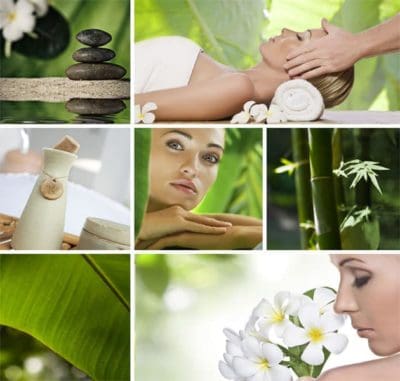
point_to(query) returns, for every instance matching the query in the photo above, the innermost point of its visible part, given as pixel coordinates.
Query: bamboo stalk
(323, 195)
(302, 179)
(338, 181)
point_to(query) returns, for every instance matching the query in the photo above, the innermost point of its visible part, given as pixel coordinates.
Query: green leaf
(76, 305)
(229, 30)
(142, 153)
(153, 271)
(53, 37)
(360, 234)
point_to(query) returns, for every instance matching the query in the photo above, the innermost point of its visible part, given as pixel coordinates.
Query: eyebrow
(347, 260)
(188, 136)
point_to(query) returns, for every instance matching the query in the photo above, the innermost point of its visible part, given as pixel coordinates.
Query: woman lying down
(183, 166)
(188, 85)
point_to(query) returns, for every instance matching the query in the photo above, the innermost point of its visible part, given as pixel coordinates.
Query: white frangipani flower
(244, 116)
(324, 298)
(144, 115)
(261, 362)
(261, 113)
(233, 348)
(16, 19)
(276, 316)
(41, 6)
(318, 332)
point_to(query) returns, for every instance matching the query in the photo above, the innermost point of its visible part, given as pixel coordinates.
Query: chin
(383, 349)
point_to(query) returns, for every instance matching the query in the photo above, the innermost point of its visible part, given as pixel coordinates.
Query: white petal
(272, 353)
(149, 106)
(313, 354)
(264, 309)
(226, 371)
(24, 6)
(280, 328)
(265, 327)
(244, 367)
(331, 321)
(259, 376)
(149, 118)
(41, 7)
(6, 6)
(335, 342)
(294, 336)
(232, 336)
(12, 32)
(309, 315)
(247, 106)
(323, 296)
(258, 109)
(233, 349)
(251, 348)
(260, 118)
(241, 118)
(295, 301)
(281, 299)
(280, 373)
(25, 21)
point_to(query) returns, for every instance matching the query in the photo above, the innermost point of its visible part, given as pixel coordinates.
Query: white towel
(299, 100)
(164, 63)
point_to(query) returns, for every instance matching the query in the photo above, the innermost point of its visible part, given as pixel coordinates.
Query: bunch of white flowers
(296, 332)
(17, 18)
(259, 113)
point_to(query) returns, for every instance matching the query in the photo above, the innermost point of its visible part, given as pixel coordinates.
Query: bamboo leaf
(76, 305)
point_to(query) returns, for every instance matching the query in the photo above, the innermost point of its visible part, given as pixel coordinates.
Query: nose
(285, 32)
(345, 301)
(190, 166)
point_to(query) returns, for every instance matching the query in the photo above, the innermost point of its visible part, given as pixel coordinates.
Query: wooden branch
(59, 89)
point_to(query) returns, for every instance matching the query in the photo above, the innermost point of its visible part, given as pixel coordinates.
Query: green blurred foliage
(231, 30)
(238, 188)
(384, 146)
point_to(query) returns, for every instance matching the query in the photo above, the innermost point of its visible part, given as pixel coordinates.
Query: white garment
(164, 63)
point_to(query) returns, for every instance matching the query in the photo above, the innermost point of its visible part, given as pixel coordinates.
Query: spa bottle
(41, 226)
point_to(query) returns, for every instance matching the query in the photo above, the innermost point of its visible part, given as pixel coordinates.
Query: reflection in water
(95, 110)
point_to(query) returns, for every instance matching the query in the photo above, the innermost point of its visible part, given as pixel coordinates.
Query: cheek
(208, 177)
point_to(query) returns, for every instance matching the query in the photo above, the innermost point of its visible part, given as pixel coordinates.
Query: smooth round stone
(95, 71)
(93, 37)
(95, 106)
(91, 55)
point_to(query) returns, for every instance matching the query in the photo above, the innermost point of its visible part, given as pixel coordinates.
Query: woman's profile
(183, 166)
(369, 293)
(187, 84)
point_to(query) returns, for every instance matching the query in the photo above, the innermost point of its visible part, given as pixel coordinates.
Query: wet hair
(335, 87)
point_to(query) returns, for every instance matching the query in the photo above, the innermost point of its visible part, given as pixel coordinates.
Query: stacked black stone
(92, 65)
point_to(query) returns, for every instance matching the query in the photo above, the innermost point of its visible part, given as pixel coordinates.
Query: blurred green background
(112, 16)
(231, 31)
(384, 147)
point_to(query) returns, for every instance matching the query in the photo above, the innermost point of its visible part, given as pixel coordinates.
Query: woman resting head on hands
(369, 292)
(183, 166)
(187, 84)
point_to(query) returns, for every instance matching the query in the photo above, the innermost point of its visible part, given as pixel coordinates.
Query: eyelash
(299, 37)
(209, 157)
(361, 281)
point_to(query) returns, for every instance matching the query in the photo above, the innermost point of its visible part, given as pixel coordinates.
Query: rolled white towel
(299, 100)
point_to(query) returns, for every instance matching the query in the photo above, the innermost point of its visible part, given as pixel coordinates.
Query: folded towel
(299, 100)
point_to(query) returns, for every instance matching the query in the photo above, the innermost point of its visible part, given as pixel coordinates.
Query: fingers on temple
(307, 66)
(315, 72)
(299, 60)
(207, 220)
(301, 50)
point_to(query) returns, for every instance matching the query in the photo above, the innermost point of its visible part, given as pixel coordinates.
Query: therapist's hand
(337, 51)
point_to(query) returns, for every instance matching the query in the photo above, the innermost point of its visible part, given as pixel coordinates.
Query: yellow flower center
(11, 16)
(315, 335)
(278, 317)
(264, 364)
(141, 116)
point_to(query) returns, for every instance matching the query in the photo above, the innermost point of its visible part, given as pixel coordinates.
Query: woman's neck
(265, 80)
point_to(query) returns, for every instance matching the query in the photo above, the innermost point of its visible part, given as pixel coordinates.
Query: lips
(364, 332)
(185, 186)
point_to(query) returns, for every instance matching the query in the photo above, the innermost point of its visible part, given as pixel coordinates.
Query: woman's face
(369, 292)
(183, 165)
(275, 50)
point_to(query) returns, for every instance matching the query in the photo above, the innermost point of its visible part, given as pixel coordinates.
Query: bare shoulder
(387, 369)
(241, 83)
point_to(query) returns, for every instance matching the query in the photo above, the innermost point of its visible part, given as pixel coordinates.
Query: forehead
(198, 135)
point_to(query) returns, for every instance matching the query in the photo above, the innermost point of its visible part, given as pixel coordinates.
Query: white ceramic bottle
(41, 226)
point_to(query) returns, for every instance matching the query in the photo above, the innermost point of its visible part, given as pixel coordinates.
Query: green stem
(338, 181)
(302, 182)
(324, 203)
